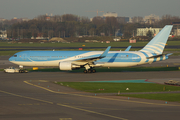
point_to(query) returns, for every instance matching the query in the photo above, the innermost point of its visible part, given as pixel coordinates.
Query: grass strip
(3, 53)
(133, 87)
(115, 87)
(79, 44)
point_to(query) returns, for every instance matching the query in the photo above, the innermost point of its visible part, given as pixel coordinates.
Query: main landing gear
(90, 71)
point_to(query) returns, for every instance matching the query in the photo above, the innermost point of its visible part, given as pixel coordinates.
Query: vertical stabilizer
(157, 44)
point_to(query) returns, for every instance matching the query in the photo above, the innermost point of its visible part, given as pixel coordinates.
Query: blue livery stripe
(152, 48)
(161, 58)
(113, 58)
(147, 60)
(154, 59)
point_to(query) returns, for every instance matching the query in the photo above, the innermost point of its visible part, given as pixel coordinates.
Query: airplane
(70, 60)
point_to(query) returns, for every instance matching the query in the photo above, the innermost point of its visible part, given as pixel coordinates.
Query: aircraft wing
(128, 48)
(92, 59)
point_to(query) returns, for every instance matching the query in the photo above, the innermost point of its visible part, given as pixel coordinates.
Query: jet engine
(67, 66)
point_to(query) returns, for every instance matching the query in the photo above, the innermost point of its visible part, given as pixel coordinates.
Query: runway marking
(127, 109)
(92, 112)
(26, 97)
(65, 118)
(76, 103)
(43, 81)
(40, 81)
(33, 104)
(176, 63)
(101, 97)
(63, 105)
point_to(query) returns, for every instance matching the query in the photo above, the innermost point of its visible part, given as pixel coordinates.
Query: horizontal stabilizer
(169, 54)
(155, 56)
(160, 55)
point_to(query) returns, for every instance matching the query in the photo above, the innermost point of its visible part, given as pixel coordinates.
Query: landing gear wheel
(93, 71)
(26, 71)
(85, 71)
(21, 71)
(89, 71)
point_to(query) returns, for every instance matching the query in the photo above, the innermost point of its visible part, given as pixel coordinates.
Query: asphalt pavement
(34, 96)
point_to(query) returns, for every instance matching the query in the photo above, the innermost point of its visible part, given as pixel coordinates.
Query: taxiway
(35, 96)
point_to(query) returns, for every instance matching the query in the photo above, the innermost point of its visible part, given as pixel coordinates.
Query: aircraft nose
(11, 59)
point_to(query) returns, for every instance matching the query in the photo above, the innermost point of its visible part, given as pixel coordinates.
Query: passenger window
(15, 55)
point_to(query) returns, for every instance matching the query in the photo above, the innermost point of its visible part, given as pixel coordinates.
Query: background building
(176, 28)
(3, 34)
(137, 19)
(176, 32)
(144, 31)
(122, 19)
(2, 19)
(110, 14)
(151, 19)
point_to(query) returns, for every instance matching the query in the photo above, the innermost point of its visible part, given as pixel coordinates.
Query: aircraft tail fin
(157, 44)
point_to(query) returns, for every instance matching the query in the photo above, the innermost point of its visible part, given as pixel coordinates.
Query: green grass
(173, 97)
(133, 87)
(115, 87)
(113, 44)
(173, 43)
(3, 53)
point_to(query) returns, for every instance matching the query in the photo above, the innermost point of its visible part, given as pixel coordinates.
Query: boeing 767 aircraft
(69, 60)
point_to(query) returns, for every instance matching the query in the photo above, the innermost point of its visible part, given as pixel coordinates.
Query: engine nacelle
(67, 66)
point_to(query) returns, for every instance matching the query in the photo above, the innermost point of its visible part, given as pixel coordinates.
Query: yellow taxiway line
(26, 97)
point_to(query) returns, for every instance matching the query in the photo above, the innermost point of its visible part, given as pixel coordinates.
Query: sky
(125, 8)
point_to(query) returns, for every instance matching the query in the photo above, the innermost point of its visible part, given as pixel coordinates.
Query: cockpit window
(15, 55)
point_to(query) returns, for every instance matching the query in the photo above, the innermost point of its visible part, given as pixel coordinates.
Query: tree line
(69, 25)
